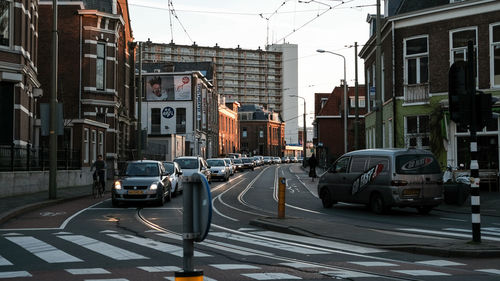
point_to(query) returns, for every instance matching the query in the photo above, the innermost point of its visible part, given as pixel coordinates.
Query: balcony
(416, 93)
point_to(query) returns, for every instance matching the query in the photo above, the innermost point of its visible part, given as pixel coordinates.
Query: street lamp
(304, 133)
(346, 113)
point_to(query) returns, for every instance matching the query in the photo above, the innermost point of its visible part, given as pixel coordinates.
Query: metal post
(53, 109)
(188, 238)
(281, 198)
(474, 166)
(139, 107)
(356, 97)
(378, 78)
(346, 111)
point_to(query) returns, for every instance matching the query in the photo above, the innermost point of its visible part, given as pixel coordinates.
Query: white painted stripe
(450, 219)
(421, 272)
(159, 268)
(440, 263)
(43, 250)
(446, 233)
(4, 261)
(470, 231)
(109, 231)
(475, 200)
(102, 248)
(323, 243)
(494, 271)
(492, 228)
(373, 263)
(265, 243)
(155, 245)
(233, 266)
(271, 276)
(476, 218)
(13, 234)
(221, 246)
(346, 274)
(14, 274)
(85, 271)
(247, 229)
(300, 265)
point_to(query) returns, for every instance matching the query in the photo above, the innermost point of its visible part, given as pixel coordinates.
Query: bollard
(281, 198)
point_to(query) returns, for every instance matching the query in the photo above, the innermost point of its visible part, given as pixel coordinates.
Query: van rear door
(422, 174)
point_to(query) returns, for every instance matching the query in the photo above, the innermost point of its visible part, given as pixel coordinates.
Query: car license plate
(411, 192)
(135, 192)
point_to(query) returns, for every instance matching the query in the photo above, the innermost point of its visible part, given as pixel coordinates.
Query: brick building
(95, 67)
(19, 82)
(262, 132)
(229, 136)
(329, 122)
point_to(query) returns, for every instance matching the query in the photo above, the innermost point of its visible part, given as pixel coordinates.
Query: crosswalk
(73, 251)
(487, 233)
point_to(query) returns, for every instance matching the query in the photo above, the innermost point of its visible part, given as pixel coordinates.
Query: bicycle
(97, 188)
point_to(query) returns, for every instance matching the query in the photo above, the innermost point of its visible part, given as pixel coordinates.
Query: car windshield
(215, 163)
(187, 163)
(237, 161)
(169, 167)
(247, 160)
(142, 170)
(417, 164)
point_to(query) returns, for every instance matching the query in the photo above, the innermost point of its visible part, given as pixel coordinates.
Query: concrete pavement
(326, 229)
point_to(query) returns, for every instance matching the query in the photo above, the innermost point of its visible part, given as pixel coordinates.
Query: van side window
(341, 165)
(379, 160)
(358, 164)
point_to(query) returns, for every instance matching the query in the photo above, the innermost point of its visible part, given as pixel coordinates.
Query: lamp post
(304, 133)
(346, 113)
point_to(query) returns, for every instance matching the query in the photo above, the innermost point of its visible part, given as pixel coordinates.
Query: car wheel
(161, 199)
(424, 210)
(377, 204)
(176, 190)
(169, 196)
(326, 198)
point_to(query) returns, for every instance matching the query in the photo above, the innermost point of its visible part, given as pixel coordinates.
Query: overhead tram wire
(174, 13)
(170, 4)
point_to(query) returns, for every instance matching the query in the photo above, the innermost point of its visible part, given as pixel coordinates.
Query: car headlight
(118, 185)
(153, 186)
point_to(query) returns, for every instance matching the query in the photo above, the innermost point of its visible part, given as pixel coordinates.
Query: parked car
(293, 159)
(193, 164)
(384, 178)
(175, 174)
(285, 159)
(232, 166)
(268, 160)
(234, 155)
(219, 168)
(238, 163)
(142, 181)
(248, 163)
(276, 160)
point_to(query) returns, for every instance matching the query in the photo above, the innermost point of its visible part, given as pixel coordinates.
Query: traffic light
(483, 109)
(460, 103)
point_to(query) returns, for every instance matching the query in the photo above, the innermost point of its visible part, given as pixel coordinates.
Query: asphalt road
(88, 239)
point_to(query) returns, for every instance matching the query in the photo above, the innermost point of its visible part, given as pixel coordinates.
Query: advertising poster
(182, 87)
(168, 88)
(204, 108)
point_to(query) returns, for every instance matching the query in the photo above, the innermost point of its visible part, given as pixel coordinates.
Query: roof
(206, 68)
(408, 6)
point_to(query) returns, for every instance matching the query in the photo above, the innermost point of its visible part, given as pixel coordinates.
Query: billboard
(168, 87)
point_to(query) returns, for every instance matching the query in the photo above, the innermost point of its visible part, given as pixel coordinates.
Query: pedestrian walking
(313, 162)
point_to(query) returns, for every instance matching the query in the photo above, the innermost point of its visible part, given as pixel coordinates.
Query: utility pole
(378, 89)
(53, 130)
(356, 96)
(139, 107)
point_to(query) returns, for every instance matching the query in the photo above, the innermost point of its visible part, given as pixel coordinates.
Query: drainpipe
(394, 107)
(80, 80)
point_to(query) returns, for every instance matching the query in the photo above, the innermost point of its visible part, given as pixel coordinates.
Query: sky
(331, 25)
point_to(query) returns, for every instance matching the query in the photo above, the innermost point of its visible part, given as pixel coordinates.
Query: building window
(101, 143)
(458, 43)
(361, 102)
(244, 132)
(155, 121)
(495, 54)
(100, 66)
(417, 131)
(5, 10)
(261, 133)
(94, 145)
(180, 120)
(86, 153)
(416, 60)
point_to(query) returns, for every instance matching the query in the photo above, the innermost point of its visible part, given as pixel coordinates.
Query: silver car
(219, 168)
(175, 174)
(142, 181)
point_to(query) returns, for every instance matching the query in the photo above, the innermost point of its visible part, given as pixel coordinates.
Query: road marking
(300, 265)
(109, 231)
(421, 272)
(233, 266)
(494, 271)
(373, 263)
(14, 274)
(102, 248)
(270, 276)
(492, 228)
(159, 268)
(119, 279)
(450, 219)
(270, 244)
(323, 243)
(43, 250)
(470, 231)
(155, 245)
(85, 271)
(346, 274)
(446, 233)
(4, 261)
(440, 263)
(13, 234)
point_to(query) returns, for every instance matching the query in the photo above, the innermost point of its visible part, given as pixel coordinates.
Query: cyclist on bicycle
(100, 168)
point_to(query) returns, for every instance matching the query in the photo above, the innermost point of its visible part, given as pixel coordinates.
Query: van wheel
(326, 198)
(424, 210)
(377, 204)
